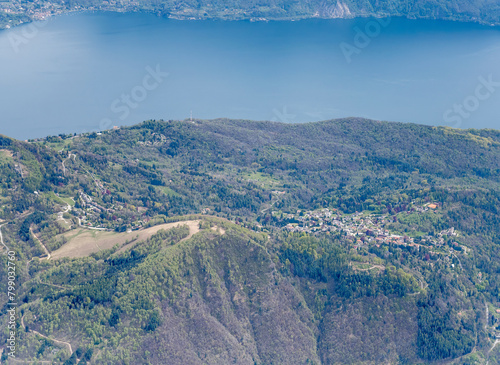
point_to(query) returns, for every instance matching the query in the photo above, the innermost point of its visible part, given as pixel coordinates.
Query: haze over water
(83, 72)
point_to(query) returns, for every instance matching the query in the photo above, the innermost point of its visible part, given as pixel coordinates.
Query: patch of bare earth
(82, 242)
(219, 230)
(6, 153)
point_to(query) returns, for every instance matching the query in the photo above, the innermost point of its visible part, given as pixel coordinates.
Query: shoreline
(235, 17)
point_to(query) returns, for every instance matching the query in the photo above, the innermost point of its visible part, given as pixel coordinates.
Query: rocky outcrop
(335, 10)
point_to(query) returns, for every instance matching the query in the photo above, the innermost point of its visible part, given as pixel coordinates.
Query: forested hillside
(340, 242)
(482, 11)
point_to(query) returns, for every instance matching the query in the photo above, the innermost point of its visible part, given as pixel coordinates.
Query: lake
(90, 71)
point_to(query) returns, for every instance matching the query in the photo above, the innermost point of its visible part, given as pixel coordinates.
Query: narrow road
(48, 338)
(380, 267)
(100, 187)
(56, 286)
(497, 341)
(60, 215)
(90, 227)
(459, 263)
(487, 315)
(28, 266)
(494, 344)
(69, 157)
(54, 340)
(24, 215)
(423, 284)
(44, 248)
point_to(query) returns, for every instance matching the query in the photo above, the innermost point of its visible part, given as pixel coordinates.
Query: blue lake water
(90, 71)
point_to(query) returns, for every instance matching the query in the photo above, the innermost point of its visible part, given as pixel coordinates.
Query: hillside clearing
(6, 155)
(83, 242)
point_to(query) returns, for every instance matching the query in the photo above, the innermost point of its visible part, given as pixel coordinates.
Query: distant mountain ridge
(481, 11)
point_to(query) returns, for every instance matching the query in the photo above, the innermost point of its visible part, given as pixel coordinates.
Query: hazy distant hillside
(483, 11)
(477, 10)
(340, 242)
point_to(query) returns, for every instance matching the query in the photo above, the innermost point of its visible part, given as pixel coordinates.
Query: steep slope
(222, 298)
(210, 300)
(214, 299)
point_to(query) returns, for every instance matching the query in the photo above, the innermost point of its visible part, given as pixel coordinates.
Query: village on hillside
(364, 228)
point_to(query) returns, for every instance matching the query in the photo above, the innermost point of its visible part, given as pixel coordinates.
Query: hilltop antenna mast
(191, 117)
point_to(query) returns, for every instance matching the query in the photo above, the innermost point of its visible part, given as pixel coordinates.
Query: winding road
(48, 338)
(69, 157)
(44, 248)
(60, 215)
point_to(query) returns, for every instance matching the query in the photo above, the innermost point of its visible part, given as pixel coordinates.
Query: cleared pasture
(82, 242)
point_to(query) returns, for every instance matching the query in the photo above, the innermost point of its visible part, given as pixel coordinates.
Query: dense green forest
(403, 269)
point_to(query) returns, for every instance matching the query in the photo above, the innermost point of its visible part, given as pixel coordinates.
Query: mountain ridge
(348, 241)
(480, 11)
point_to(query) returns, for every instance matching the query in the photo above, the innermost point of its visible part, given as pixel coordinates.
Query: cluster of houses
(36, 10)
(41, 10)
(90, 211)
(87, 202)
(363, 229)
